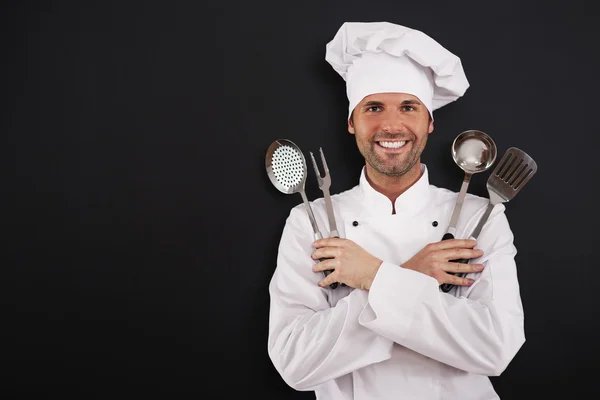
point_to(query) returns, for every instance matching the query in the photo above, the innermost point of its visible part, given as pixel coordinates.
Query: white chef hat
(381, 57)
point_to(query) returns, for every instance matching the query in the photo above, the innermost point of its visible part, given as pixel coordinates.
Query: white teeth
(392, 145)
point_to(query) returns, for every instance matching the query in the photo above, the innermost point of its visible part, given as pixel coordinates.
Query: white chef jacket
(404, 338)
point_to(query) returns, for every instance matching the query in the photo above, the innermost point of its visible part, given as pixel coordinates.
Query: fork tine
(314, 162)
(324, 162)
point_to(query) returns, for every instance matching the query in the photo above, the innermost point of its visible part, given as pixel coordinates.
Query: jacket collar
(411, 202)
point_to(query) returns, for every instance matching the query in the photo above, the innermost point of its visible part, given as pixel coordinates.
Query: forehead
(390, 98)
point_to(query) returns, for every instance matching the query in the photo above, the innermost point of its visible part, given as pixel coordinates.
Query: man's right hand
(434, 260)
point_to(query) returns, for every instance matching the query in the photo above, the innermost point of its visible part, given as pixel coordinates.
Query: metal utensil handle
(311, 216)
(447, 286)
(459, 203)
(330, 214)
(482, 220)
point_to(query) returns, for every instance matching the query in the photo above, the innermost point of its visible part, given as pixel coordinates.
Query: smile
(392, 145)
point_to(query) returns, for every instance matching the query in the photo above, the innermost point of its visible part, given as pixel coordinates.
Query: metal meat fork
(324, 184)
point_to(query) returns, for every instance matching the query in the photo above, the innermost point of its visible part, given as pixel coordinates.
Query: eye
(374, 108)
(408, 108)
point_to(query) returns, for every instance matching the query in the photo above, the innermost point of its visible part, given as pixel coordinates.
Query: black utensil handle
(447, 236)
(447, 286)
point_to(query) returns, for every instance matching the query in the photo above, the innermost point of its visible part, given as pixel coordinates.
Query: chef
(390, 332)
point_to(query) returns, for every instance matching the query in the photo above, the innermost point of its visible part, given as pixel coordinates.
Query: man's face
(391, 131)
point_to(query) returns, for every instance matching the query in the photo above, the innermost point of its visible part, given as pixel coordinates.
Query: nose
(392, 123)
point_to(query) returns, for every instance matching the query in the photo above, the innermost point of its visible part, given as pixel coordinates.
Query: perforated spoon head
(286, 166)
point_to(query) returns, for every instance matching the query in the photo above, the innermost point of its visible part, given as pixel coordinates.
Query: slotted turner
(513, 171)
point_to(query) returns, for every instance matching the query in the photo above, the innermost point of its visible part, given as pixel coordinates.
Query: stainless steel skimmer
(286, 168)
(513, 171)
(324, 184)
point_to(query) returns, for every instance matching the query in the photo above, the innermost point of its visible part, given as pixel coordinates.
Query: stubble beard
(397, 164)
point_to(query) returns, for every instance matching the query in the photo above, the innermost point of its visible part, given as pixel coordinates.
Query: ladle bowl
(474, 151)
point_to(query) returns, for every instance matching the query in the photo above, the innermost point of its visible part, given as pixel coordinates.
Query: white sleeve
(309, 341)
(478, 331)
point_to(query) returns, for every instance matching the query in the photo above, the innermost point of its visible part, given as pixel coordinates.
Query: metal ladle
(473, 151)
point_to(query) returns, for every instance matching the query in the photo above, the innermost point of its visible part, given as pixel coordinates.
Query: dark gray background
(140, 228)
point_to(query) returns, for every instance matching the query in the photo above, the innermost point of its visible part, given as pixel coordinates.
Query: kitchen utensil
(473, 151)
(286, 168)
(513, 171)
(324, 184)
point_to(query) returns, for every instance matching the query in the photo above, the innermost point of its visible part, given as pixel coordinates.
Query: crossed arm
(311, 342)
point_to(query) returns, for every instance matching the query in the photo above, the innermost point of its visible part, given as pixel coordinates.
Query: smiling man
(390, 332)
(391, 132)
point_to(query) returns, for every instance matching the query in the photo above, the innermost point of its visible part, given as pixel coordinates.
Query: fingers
(458, 281)
(325, 252)
(457, 253)
(329, 242)
(452, 243)
(325, 265)
(329, 279)
(460, 268)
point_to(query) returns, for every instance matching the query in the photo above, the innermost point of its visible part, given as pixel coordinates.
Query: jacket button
(434, 223)
(355, 223)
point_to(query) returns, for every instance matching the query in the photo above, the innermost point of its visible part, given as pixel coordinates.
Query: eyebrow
(373, 103)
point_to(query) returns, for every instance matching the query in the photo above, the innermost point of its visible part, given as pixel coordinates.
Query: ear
(351, 126)
(430, 126)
